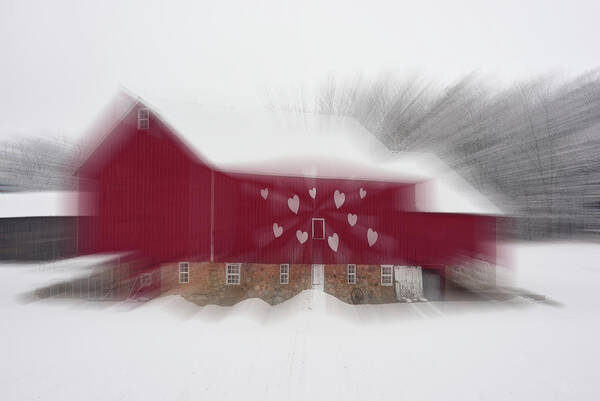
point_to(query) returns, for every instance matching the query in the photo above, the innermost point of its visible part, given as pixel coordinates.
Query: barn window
(232, 272)
(143, 118)
(386, 275)
(145, 280)
(184, 272)
(284, 273)
(351, 269)
(318, 228)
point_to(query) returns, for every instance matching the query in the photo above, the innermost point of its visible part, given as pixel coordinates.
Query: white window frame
(284, 273)
(184, 272)
(145, 280)
(235, 276)
(351, 273)
(313, 226)
(387, 276)
(143, 121)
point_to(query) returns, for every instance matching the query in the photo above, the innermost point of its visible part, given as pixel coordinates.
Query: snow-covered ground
(312, 347)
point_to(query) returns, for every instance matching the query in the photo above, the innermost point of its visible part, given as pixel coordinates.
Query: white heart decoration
(333, 242)
(372, 236)
(312, 192)
(352, 219)
(277, 230)
(339, 198)
(363, 193)
(302, 236)
(294, 203)
(264, 193)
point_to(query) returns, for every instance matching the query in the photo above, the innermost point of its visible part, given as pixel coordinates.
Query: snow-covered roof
(441, 188)
(259, 141)
(37, 204)
(273, 141)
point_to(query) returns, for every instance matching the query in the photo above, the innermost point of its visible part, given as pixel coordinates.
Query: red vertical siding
(244, 223)
(155, 197)
(152, 194)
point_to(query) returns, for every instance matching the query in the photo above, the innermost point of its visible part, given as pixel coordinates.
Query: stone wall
(207, 283)
(367, 290)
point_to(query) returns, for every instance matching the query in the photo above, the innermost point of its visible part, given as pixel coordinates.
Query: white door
(318, 277)
(408, 282)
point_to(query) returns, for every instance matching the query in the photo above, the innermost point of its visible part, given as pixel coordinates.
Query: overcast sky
(61, 61)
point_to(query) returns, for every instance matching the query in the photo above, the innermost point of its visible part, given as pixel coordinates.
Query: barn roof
(39, 204)
(259, 141)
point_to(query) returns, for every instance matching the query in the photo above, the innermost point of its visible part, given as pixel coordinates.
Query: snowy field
(312, 347)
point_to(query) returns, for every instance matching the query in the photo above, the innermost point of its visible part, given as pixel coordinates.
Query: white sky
(61, 61)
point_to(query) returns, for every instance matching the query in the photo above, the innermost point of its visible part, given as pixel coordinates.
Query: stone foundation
(207, 283)
(367, 290)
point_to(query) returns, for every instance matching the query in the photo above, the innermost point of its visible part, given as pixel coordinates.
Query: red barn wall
(244, 221)
(153, 196)
(156, 197)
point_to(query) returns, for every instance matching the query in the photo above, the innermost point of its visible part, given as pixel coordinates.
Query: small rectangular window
(184, 272)
(143, 118)
(284, 274)
(351, 274)
(232, 273)
(318, 228)
(146, 280)
(386, 274)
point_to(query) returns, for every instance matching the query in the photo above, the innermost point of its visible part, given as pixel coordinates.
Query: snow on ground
(312, 347)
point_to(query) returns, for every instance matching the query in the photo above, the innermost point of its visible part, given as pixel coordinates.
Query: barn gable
(108, 143)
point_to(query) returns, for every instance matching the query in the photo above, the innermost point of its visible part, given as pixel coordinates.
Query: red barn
(283, 202)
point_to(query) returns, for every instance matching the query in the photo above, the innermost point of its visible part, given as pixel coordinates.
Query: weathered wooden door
(409, 283)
